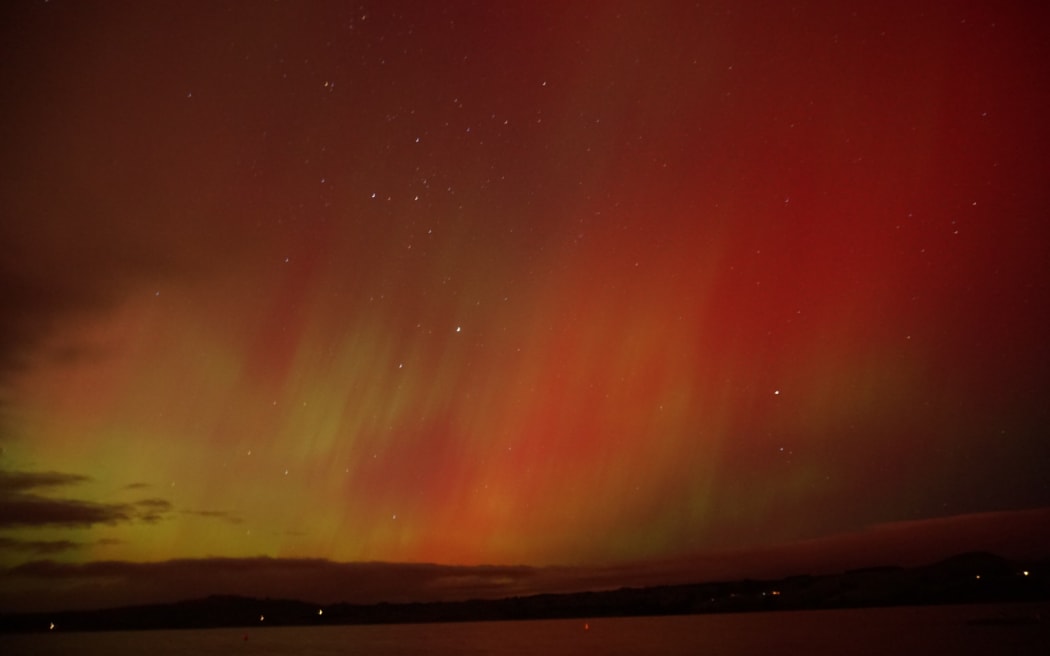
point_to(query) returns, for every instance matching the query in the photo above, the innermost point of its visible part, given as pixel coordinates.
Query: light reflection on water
(902, 631)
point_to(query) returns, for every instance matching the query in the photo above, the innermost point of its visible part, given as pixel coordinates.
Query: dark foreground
(901, 631)
(964, 579)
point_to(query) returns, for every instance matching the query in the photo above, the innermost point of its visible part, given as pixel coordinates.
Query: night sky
(591, 293)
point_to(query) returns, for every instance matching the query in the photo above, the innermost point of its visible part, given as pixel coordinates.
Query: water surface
(956, 630)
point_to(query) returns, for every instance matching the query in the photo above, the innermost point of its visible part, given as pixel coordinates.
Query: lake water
(898, 631)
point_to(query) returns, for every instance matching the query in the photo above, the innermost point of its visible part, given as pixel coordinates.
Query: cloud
(16, 482)
(223, 515)
(32, 510)
(38, 547)
(152, 510)
(21, 506)
(62, 273)
(34, 303)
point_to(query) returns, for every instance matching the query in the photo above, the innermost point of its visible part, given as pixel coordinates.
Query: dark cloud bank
(23, 505)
